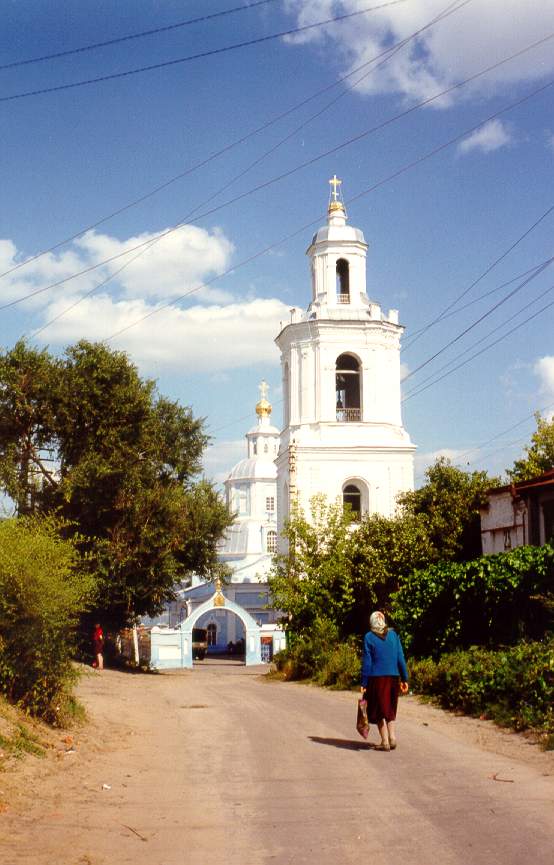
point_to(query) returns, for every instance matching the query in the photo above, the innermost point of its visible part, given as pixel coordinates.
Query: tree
(449, 502)
(86, 438)
(539, 454)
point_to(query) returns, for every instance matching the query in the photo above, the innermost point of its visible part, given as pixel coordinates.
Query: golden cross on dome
(263, 388)
(335, 183)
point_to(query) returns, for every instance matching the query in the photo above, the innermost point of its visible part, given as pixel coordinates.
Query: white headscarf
(377, 622)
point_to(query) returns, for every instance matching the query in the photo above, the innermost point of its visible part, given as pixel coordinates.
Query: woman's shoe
(383, 746)
(392, 744)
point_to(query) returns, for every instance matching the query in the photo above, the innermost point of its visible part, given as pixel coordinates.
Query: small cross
(264, 387)
(335, 183)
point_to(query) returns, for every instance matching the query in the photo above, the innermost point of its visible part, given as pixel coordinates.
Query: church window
(352, 496)
(271, 541)
(212, 634)
(266, 448)
(255, 448)
(270, 504)
(343, 281)
(347, 385)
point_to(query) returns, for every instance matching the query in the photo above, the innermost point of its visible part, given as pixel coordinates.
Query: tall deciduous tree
(87, 438)
(539, 456)
(449, 502)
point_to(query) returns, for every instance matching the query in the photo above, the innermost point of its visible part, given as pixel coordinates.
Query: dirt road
(220, 765)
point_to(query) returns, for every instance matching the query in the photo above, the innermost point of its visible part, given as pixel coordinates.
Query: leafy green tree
(86, 438)
(539, 454)
(449, 502)
(313, 581)
(43, 592)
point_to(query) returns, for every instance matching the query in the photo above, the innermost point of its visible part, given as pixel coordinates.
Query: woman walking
(384, 673)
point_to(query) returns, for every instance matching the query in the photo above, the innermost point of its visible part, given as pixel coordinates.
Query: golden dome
(263, 408)
(336, 205)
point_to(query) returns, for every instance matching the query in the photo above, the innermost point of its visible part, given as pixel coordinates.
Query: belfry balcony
(349, 415)
(343, 298)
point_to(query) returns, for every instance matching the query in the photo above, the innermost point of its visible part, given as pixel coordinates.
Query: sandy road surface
(219, 765)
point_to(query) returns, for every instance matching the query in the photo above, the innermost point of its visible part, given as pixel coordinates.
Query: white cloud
(489, 137)
(453, 49)
(544, 369)
(197, 339)
(177, 264)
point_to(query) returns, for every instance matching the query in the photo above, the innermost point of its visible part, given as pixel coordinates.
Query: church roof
(254, 468)
(334, 233)
(235, 541)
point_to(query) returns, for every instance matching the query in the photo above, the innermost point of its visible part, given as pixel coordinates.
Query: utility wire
(288, 237)
(419, 333)
(201, 55)
(204, 162)
(481, 351)
(402, 170)
(117, 40)
(478, 320)
(483, 338)
(505, 432)
(450, 9)
(349, 201)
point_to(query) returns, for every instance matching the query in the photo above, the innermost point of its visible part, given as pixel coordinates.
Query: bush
(493, 600)
(42, 594)
(321, 657)
(512, 686)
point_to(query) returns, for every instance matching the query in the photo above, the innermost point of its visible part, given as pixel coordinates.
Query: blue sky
(74, 156)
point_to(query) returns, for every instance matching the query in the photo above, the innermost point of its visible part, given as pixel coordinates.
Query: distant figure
(98, 647)
(384, 673)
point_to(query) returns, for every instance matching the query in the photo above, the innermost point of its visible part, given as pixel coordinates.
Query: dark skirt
(382, 698)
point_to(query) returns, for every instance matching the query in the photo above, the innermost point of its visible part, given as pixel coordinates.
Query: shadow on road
(348, 744)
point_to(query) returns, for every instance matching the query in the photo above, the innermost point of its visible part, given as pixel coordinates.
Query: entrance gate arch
(219, 602)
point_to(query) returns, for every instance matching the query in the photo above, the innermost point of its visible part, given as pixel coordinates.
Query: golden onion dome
(263, 408)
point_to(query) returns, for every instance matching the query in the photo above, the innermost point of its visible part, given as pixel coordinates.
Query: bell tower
(342, 425)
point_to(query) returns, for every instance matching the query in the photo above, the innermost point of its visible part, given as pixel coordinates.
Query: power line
(445, 13)
(130, 36)
(485, 273)
(478, 320)
(402, 170)
(481, 351)
(232, 145)
(201, 55)
(483, 338)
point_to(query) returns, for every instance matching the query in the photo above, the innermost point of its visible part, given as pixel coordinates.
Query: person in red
(384, 674)
(98, 647)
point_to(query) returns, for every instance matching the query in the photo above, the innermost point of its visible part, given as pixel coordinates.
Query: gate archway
(218, 601)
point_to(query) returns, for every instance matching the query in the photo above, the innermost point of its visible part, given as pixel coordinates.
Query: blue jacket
(383, 657)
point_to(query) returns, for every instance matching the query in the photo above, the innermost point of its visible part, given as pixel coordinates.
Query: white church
(342, 434)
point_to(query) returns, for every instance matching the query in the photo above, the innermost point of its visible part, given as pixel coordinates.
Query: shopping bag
(362, 724)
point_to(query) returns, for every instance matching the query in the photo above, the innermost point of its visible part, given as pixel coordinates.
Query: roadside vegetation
(478, 630)
(110, 511)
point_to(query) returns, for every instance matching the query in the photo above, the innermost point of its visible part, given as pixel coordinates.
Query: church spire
(336, 203)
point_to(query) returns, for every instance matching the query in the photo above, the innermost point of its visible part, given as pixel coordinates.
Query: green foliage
(42, 595)
(490, 601)
(320, 656)
(314, 580)
(514, 687)
(539, 455)
(449, 502)
(85, 438)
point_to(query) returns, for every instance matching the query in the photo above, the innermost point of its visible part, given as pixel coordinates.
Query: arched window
(271, 541)
(352, 496)
(348, 391)
(212, 634)
(343, 281)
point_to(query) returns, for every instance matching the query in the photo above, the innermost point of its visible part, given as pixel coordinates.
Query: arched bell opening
(348, 389)
(343, 281)
(352, 501)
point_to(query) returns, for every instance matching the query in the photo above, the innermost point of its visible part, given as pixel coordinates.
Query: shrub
(321, 657)
(513, 686)
(42, 594)
(493, 600)
(341, 666)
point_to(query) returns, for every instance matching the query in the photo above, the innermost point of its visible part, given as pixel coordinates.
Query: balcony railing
(349, 415)
(343, 298)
